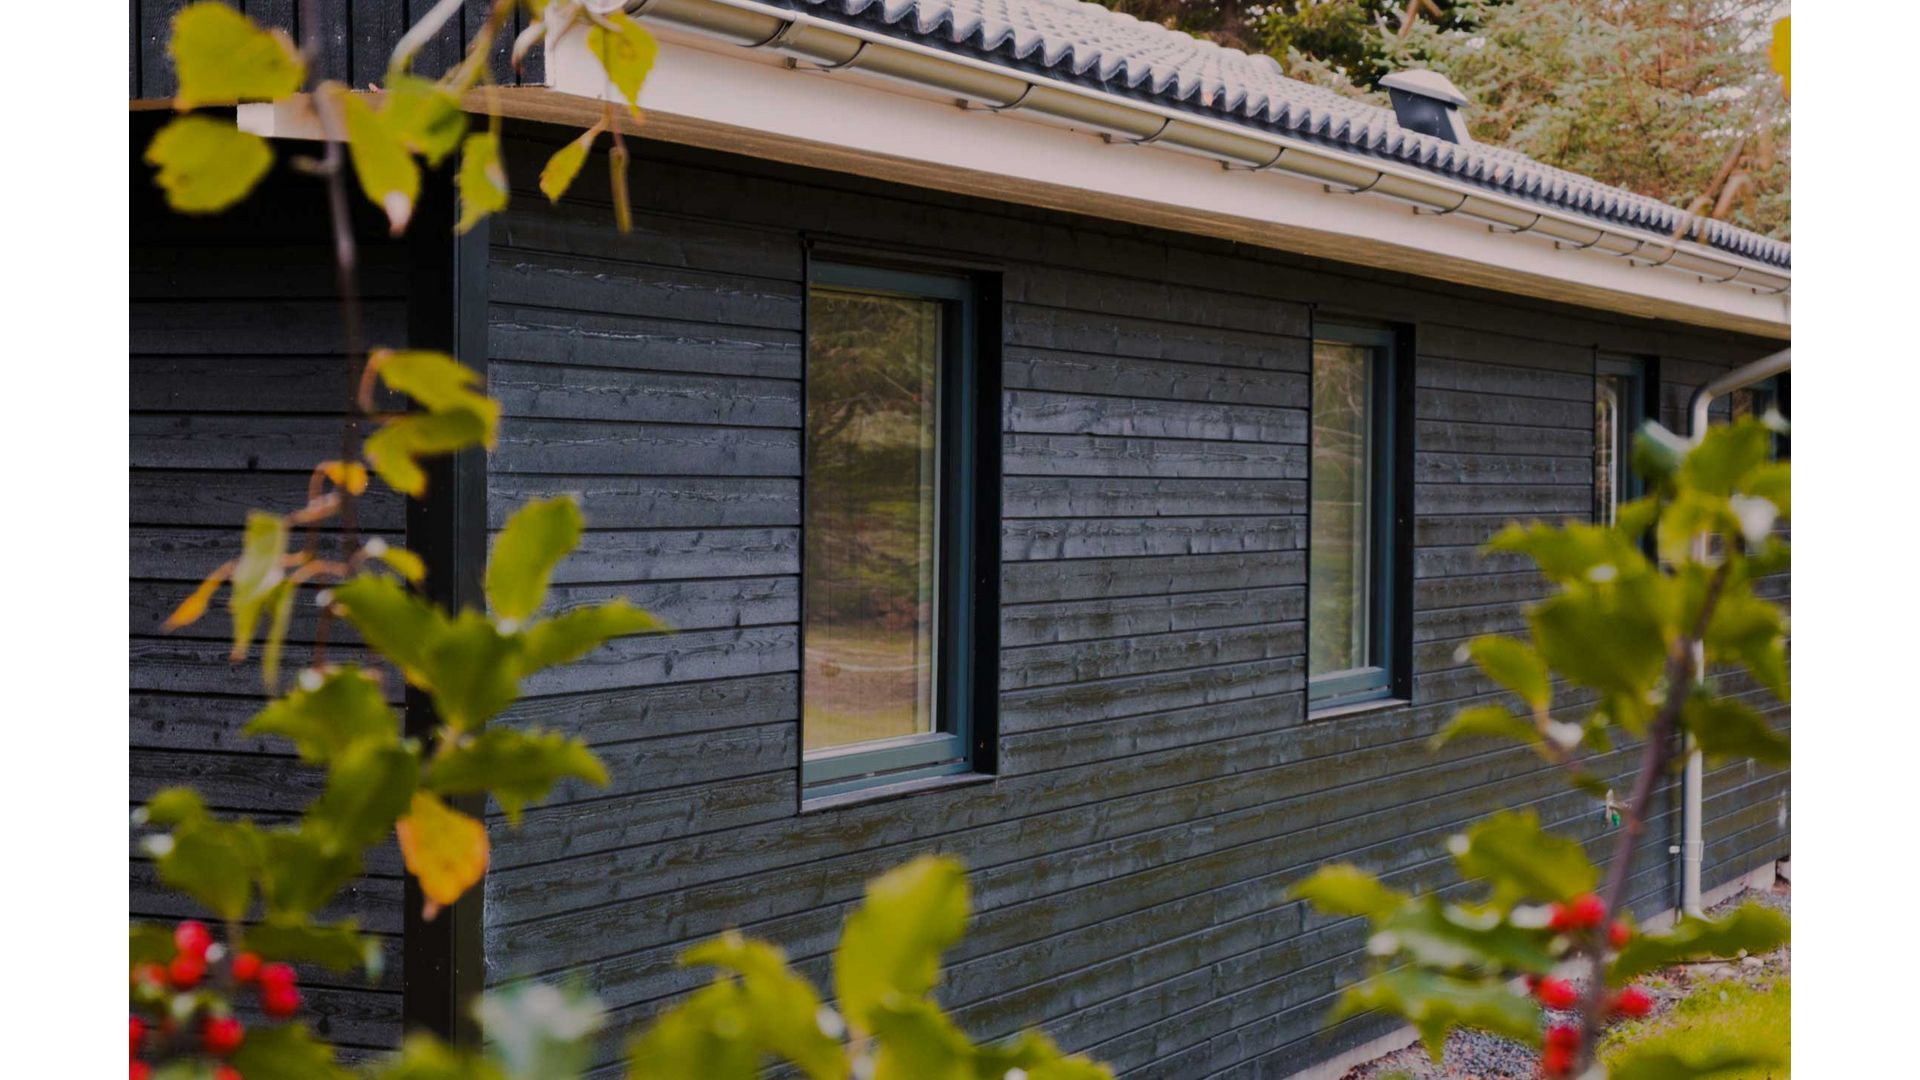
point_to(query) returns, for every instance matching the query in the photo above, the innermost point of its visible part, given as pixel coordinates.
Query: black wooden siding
(237, 385)
(1159, 787)
(355, 41)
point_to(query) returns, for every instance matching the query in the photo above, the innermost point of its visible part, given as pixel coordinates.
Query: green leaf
(1345, 889)
(346, 707)
(1727, 729)
(1666, 1065)
(173, 806)
(918, 1042)
(518, 767)
(222, 58)
(537, 536)
(1523, 861)
(784, 1009)
(1574, 553)
(285, 1052)
(303, 870)
(423, 1057)
(557, 176)
(211, 861)
(207, 165)
(396, 623)
(396, 449)
(425, 118)
(568, 637)
(539, 1031)
(256, 575)
(1435, 1004)
(1772, 482)
(1725, 455)
(1751, 929)
(340, 947)
(704, 1036)
(482, 180)
(1494, 721)
(388, 174)
(367, 790)
(627, 53)
(410, 566)
(1752, 631)
(1609, 639)
(149, 943)
(473, 671)
(891, 945)
(437, 381)
(1515, 665)
(1450, 937)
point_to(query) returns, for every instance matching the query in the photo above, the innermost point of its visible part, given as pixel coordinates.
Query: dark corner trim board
(444, 957)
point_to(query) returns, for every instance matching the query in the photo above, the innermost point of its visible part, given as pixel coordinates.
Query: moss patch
(1717, 1016)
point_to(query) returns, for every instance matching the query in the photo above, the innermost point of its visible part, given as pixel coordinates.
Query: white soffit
(711, 93)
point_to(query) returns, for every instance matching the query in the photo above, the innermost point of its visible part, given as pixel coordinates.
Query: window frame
(963, 583)
(1383, 679)
(1638, 405)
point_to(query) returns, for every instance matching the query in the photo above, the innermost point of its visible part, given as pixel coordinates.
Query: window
(1353, 583)
(1622, 401)
(893, 512)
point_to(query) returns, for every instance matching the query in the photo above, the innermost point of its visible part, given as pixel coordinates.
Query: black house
(1056, 441)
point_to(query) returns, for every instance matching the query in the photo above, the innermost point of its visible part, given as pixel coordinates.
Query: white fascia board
(714, 94)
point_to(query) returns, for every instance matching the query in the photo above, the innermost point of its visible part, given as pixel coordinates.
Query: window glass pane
(1610, 453)
(871, 507)
(1340, 585)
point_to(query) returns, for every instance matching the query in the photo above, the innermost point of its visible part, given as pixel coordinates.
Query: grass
(1721, 1016)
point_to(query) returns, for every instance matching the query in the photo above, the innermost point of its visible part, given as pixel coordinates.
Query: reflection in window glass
(1341, 560)
(1612, 438)
(872, 503)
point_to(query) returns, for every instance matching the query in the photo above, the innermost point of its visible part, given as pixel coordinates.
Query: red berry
(222, 1035)
(1556, 1061)
(1563, 1037)
(280, 1002)
(1556, 994)
(136, 1030)
(276, 974)
(1619, 934)
(246, 966)
(225, 1072)
(186, 970)
(1587, 910)
(193, 938)
(1632, 1002)
(140, 1071)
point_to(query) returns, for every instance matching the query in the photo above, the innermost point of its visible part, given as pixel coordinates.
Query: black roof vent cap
(1426, 102)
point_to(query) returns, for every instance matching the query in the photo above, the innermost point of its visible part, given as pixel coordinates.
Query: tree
(1673, 101)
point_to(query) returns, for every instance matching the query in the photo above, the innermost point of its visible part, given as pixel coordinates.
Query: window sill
(1335, 712)
(899, 790)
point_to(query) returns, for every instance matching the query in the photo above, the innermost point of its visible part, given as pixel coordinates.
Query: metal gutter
(811, 42)
(1693, 839)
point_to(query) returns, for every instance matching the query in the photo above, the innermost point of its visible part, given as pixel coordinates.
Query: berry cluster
(1561, 1045)
(169, 997)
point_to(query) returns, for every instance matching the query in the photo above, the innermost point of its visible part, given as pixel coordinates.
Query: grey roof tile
(1090, 45)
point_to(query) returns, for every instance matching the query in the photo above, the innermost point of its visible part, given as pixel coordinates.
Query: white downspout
(1693, 842)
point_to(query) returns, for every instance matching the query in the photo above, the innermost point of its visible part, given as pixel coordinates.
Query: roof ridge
(1090, 45)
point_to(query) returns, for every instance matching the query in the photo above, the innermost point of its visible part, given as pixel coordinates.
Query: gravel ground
(1475, 1055)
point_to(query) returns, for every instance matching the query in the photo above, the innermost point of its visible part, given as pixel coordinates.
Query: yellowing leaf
(444, 848)
(405, 563)
(565, 164)
(396, 448)
(207, 165)
(483, 181)
(349, 476)
(387, 171)
(627, 53)
(195, 605)
(424, 117)
(221, 58)
(433, 379)
(257, 575)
